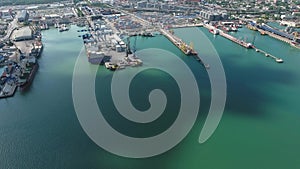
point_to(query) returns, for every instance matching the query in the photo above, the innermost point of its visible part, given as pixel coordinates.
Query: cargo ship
(28, 75)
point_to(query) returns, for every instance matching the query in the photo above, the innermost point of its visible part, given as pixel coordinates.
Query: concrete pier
(278, 60)
(247, 45)
(235, 40)
(186, 49)
(187, 25)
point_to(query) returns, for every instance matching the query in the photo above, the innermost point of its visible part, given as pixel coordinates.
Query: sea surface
(260, 127)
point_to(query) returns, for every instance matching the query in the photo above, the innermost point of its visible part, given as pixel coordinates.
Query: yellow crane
(192, 45)
(182, 46)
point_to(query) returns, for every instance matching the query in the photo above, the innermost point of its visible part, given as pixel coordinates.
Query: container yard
(104, 45)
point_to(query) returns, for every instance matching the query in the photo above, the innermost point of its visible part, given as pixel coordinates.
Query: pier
(186, 49)
(278, 60)
(245, 44)
(187, 25)
(235, 40)
(286, 40)
(8, 90)
(276, 34)
(249, 46)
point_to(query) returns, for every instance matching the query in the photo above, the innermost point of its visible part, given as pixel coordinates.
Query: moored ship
(28, 74)
(214, 31)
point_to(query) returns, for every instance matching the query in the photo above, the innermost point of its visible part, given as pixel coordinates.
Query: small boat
(279, 60)
(214, 31)
(63, 27)
(234, 29)
(206, 66)
(262, 32)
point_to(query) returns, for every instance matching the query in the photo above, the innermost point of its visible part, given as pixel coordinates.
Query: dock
(249, 46)
(245, 44)
(283, 39)
(187, 25)
(251, 27)
(235, 40)
(278, 60)
(273, 35)
(8, 90)
(186, 49)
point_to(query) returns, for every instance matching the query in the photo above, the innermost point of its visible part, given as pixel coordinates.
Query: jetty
(235, 40)
(278, 60)
(265, 29)
(249, 46)
(245, 44)
(8, 90)
(186, 49)
(187, 25)
(283, 39)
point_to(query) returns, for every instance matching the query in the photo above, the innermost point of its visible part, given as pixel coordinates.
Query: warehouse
(23, 16)
(24, 33)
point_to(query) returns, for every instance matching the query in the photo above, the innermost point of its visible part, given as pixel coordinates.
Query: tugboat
(214, 31)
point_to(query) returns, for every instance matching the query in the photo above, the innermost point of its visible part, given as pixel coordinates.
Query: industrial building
(213, 16)
(23, 16)
(6, 15)
(24, 33)
(142, 4)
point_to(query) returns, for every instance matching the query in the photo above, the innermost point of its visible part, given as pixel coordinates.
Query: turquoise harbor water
(259, 128)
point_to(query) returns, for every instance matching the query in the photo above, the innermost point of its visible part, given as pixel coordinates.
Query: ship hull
(30, 78)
